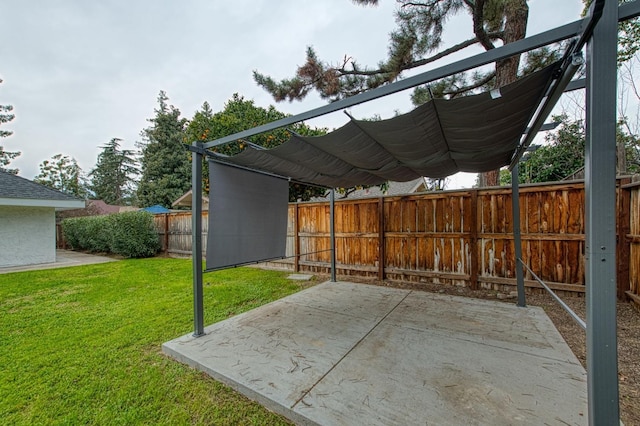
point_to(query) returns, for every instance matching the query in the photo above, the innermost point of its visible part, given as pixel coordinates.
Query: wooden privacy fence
(460, 238)
(632, 233)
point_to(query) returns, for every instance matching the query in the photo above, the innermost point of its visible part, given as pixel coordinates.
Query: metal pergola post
(196, 238)
(517, 240)
(332, 231)
(600, 238)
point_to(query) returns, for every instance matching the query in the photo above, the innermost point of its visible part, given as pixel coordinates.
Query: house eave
(29, 202)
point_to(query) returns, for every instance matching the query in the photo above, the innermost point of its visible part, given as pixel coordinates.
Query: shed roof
(18, 191)
(185, 200)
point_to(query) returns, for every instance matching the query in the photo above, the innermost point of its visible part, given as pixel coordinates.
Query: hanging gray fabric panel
(247, 217)
(468, 134)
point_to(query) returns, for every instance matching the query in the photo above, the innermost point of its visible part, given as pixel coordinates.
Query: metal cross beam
(625, 11)
(493, 55)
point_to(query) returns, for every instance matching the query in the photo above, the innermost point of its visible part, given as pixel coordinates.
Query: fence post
(332, 230)
(517, 240)
(623, 222)
(166, 233)
(296, 240)
(381, 252)
(473, 240)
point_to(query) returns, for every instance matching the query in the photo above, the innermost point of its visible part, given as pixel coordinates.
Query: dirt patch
(628, 333)
(628, 346)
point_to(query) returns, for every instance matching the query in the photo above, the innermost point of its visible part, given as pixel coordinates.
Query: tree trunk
(621, 156)
(515, 27)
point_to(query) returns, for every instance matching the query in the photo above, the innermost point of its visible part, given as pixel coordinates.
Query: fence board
(633, 238)
(452, 237)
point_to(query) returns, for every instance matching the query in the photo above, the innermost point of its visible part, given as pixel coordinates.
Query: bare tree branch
(478, 26)
(475, 85)
(424, 61)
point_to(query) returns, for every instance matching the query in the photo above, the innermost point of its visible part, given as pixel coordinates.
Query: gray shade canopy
(247, 217)
(474, 133)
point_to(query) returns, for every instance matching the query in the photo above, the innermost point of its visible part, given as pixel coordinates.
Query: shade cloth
(474, 133)
(247, 217)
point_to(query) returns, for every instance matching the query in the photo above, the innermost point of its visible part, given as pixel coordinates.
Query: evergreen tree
(6, 156)
(112, 180)
(64, 174)
(165, 162)
(563, 154)
(5, 159)
(412, 44)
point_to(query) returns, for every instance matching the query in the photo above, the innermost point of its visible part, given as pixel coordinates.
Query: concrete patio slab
(300, 277)
(64, 258)
(344, 353)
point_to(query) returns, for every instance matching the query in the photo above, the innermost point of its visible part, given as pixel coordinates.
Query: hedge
(129, 234)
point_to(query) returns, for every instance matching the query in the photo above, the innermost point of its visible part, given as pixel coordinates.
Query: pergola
(473, 134)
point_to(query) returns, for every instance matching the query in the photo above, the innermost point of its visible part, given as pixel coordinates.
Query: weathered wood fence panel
(174, 231)
(428, 237)
(552, 228)
(460, 238)
(633, 239)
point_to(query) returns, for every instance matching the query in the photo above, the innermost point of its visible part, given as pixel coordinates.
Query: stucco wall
(27, 235)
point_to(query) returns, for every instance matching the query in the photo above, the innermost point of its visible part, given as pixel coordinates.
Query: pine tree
(5, 159)
(64, 174)
(416, 42)
(165, 163)
(7, 156)
(112, 180)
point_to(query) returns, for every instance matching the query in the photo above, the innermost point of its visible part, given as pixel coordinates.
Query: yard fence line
(462, 238)
(629, 238)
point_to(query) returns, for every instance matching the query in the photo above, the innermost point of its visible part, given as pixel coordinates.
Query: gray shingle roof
(12, 186)
(395, 188)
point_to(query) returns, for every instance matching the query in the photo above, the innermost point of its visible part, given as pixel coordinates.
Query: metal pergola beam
(558, 34)
(626, 11)
(332, 232)
(600, 219)
(517, 240)
(600, 151)
(196, 238)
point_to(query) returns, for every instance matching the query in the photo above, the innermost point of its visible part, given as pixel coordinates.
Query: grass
(81, 345)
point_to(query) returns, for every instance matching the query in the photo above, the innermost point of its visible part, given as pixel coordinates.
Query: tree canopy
(418, 41)
(165, 163)
(563, 154)
(64, 174)
(240, 114)
(113, 178)
(6, 157)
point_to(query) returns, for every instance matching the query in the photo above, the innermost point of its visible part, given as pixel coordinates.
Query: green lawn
(81, 345)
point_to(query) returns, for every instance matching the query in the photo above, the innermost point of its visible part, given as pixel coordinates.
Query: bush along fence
(130, 234)
(462, 238)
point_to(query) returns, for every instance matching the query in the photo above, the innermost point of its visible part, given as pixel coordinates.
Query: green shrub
(130, 234)
(98, 235)
(72, 230)
(133, 234)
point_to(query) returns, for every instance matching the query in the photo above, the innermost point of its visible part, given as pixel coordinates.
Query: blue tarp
(157, 209)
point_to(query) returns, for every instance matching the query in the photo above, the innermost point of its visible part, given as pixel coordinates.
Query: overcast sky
(80, 73)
